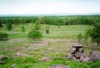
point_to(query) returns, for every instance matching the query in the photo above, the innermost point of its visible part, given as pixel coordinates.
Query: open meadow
(54, 46)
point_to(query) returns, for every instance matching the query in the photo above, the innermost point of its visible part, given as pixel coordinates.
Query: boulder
(13, 65)
(20, 54)
(78, 55)
(84, 58)
(95, 55)
(3, 59)
(59, 66)
(70, 56)
(73, 50)
(46, 59)
(81, 50)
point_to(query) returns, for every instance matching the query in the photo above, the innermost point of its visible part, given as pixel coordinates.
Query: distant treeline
(53, 20)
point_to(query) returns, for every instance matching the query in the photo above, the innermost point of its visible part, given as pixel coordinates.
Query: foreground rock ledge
(77, 53)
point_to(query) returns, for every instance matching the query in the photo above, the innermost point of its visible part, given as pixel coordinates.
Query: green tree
(1, 24)
(23, 28)
(35, 33)
(47, 30)
(3, 36)
(9, 26)
(95, 33)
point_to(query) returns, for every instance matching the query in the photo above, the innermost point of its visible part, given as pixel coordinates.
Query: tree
(9, 26)
(3, 36)
(47, 30)
(1, 24)
(23, 28)
(95, 33)
(35, 33)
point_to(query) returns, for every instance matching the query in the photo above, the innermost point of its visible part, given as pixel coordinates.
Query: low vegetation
(3, 36)
(48, 39)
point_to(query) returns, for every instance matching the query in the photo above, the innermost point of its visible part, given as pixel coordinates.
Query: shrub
(35, 33)
(3, 36)
(47, 30)
(9, 26)
(23, 28)
(95, 33)
(79, 37)
(1, 24)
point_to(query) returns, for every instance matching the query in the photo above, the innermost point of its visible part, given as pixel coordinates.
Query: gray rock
(95, 55)
(59, 66)
(13, 65)
(73, 50)
(46, 59)
(70, 56)
(3, 59)
(78, 54)
(20, 54)
(84, 58)
(81, 50)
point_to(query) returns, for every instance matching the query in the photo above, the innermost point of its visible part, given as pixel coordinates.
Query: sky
(47, 7)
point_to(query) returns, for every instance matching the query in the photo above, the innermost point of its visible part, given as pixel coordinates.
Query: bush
(35, 33)
(79, 37)
(23, 28)
(3, 36)
(1, 24)
(9, 26)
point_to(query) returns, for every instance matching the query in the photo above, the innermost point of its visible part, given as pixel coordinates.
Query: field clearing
(55, 45)
(64, 32)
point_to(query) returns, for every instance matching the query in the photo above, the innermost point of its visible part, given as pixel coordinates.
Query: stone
(20, 54)
(13, 65)
(46, 59)
(3, 59)
(73, 50)
(95, 55)
(78, 55)
(59, 66)
(81, 50)
(70, 56)
(84, 58)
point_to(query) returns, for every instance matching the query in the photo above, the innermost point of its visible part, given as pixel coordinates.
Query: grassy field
(64, 32)
(56, 45)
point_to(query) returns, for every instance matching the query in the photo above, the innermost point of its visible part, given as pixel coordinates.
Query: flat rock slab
(59, 66)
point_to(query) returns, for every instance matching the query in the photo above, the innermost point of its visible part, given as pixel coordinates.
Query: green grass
(70, 31)
(34, 63)
(61, 39)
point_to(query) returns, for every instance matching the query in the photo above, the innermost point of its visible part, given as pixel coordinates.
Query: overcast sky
(21, 7)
